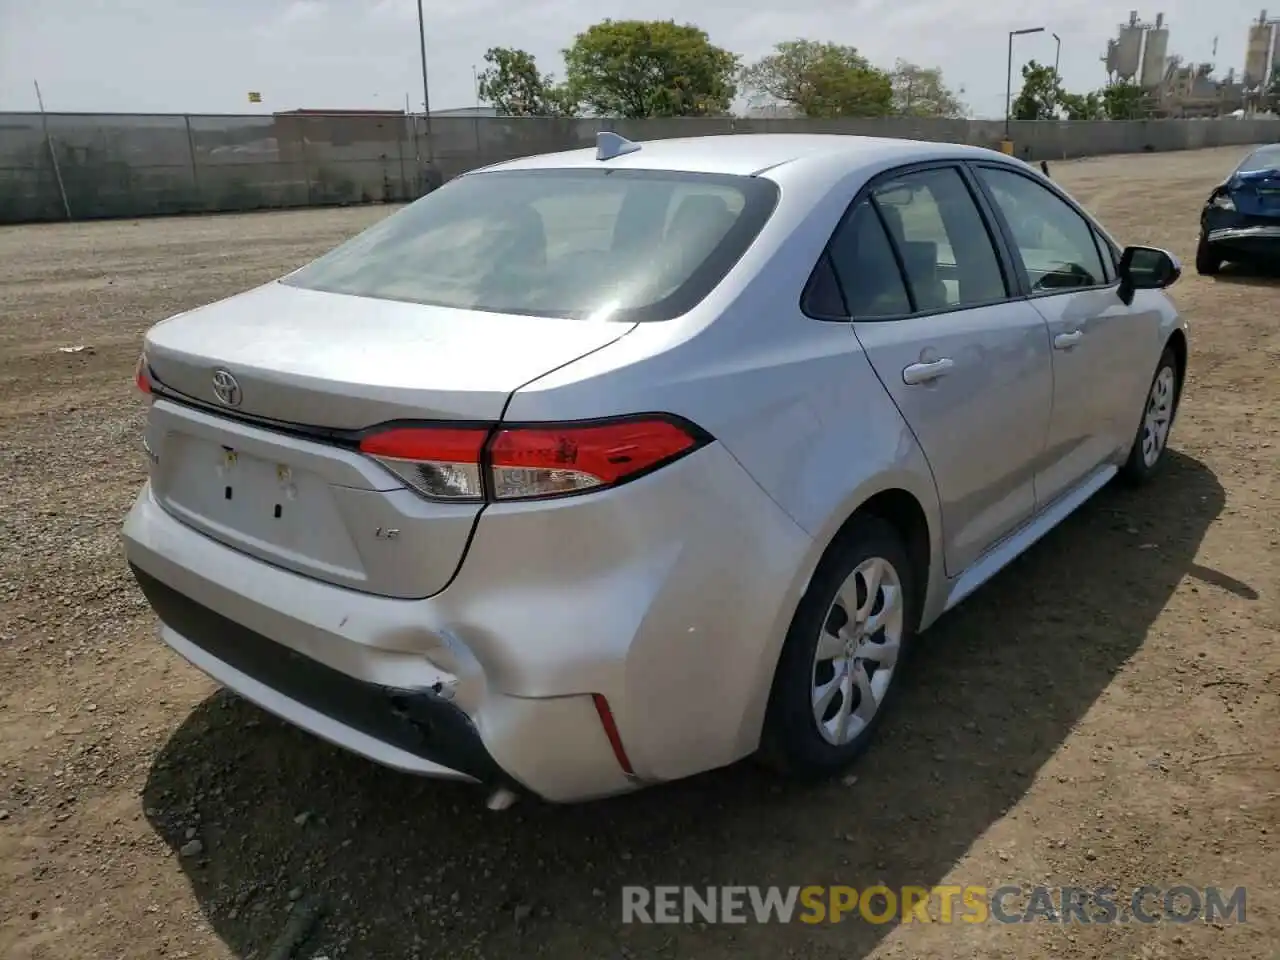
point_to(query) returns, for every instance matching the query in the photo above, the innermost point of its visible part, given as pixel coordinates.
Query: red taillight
(442, 463)
(536, 460)
(548, 460)
(611, 731)
(431, 443)
(142, 376)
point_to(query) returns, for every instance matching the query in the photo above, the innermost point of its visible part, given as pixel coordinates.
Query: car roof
(749, 154)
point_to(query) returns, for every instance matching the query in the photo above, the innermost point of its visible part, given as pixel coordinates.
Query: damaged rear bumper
(416, 730)
(381, 677)
(1255, 242)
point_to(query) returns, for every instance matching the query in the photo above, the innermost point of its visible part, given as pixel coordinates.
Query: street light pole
(426, 94)
(1008, 75)
(1057, 77)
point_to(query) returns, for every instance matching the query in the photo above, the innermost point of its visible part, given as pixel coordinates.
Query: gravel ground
(1103, 713)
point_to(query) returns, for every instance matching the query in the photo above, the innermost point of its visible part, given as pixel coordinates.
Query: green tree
(822, 80)
(513, 85)
(1124, 101)
(649, 68)
(1040, 94)
(1082, 106)
(920, 92)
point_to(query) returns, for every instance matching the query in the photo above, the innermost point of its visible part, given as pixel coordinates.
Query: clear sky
(203, 56)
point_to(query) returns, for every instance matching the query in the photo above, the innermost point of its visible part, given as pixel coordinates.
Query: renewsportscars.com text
(939, 904)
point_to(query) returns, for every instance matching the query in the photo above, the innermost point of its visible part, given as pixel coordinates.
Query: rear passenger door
(1102, 349)
(965, 361)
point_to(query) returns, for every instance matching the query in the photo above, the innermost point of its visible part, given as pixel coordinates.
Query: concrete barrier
(124, 165)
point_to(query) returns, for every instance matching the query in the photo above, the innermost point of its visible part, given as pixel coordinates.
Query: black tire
(1137, 470)
(791, 744)
(1208, 261)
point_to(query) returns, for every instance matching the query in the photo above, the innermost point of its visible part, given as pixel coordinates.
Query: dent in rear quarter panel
(800, 408)
(804, 419)
(666, 583)
(826, 438)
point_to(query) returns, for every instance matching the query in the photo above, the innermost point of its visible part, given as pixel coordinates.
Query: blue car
(1241, 219)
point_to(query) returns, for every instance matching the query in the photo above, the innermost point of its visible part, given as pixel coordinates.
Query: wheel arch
(920, 528)
(907, 501)
(903, 511)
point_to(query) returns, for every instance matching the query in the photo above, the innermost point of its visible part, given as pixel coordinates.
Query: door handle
(1065, 341)
(926, 372)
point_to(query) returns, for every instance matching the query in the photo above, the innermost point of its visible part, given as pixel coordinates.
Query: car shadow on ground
(403, 867)
(1249, 275)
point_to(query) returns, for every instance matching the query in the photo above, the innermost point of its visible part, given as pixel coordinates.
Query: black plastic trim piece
(419, 722)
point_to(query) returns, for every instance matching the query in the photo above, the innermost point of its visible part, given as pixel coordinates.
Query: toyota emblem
(226, 388)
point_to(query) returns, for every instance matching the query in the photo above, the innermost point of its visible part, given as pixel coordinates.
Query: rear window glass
(1267, 158)
(629, 245)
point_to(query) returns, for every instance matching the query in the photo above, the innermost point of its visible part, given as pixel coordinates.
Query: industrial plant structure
(1139, 55)
(1124, 54)
(1262, 58)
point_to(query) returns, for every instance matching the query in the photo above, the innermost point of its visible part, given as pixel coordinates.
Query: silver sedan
(599, 469)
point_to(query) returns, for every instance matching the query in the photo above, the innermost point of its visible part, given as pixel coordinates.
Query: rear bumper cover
(1236, 234)
(1244, 237)
(669, 597)
(419, 723)
(325, 659)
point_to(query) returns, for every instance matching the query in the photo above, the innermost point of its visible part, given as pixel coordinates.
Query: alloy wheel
(1159, 414)
(857, 652)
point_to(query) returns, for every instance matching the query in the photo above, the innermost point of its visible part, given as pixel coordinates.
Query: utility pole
(53, 154)
(426, 93)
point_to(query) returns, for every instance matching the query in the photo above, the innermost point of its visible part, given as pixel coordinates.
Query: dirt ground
(1104, 713)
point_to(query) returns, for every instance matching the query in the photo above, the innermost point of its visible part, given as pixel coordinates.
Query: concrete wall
(128, 166)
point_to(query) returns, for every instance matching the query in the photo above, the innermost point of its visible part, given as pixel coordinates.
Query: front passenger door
(1101, 348)
(967, 366)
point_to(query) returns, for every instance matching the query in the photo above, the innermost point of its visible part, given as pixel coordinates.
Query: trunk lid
(333, 361)
(346, 362)
(1257, 192)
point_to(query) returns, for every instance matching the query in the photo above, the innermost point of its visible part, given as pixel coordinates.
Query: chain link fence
(83, 166)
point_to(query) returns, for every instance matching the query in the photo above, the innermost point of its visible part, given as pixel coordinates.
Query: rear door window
(864, 265)
(945, 247)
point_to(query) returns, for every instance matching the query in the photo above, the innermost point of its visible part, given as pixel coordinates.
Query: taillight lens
(546, 461)
(142, 376)
(531, 461)
(441, 463)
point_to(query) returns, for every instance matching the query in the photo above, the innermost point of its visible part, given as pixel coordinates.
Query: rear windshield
(629, 245)
(1267, 158)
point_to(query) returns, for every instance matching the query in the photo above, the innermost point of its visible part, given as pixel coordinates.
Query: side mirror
(1146, 268)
